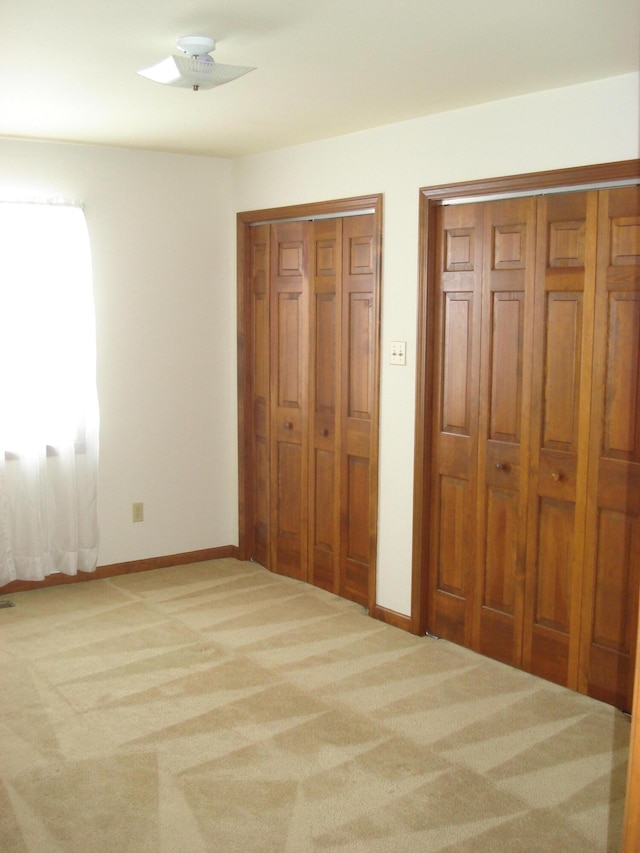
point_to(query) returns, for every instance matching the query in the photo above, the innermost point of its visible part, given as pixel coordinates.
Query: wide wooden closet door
(535, 487)
(314, 340)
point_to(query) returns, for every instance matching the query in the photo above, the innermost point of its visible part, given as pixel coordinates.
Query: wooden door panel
(499, 593)
(613, 511)
(505, 376)
(557, 474)
(617, 543)
(562, 366)
(358, 395)
(622, 412)
(360, 358)
(567, 244)
(510, 243)
(455, 455)
(288, 502)
(324, 403)
(289, 354)
(614, 622)
(502, 465)
(326, 329)
(549, 651)
(289, 496)
(453, 556)
(261, 507)
(261, 346)
(498, 602)
(357, 543)
(457, 368)
(290, 255)
(324, 517)
(455, 549)
(625, 230)
(289, 301)
(259, 273)
(555, 555)
(502, 552)
(357, 548)
(563, 335)
(506, 367)
(322, 534)
(458, 269)
(497, 605)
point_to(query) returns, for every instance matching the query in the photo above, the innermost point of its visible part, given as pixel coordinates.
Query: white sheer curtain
(48, 400)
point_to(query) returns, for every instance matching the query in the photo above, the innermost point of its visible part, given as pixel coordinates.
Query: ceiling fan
(195, 69)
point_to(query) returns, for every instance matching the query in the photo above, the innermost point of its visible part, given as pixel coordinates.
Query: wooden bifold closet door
(535, 485)
(313, 318)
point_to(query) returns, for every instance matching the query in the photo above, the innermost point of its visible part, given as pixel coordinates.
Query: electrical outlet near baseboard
(137, 511)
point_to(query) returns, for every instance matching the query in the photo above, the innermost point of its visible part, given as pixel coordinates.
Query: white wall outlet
(137, 511)
(397, 352)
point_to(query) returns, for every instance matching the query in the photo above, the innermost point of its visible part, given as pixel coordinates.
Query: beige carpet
(218, 707)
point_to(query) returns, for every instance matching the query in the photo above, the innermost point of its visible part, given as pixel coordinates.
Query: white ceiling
(324, 67)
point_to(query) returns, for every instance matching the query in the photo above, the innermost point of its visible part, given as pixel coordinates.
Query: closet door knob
(556, 477)
(500, 466)
(324, 432)
(288, 425)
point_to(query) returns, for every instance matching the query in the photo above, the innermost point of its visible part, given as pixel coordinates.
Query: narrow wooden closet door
(505, 383)
(565, 285)
(612, 561)
(458, 272)
(359, 407)
(289, 395)
(258, 375)
(324, 403)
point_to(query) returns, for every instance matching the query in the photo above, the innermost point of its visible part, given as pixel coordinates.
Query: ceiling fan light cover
(188, 72)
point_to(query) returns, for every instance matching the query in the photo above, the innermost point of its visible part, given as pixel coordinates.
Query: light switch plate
(397, 352)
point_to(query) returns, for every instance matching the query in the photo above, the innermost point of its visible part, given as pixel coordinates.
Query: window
(48, 401)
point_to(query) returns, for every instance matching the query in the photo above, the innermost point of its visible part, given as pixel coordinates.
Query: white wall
(162, 239)
(578, 125)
